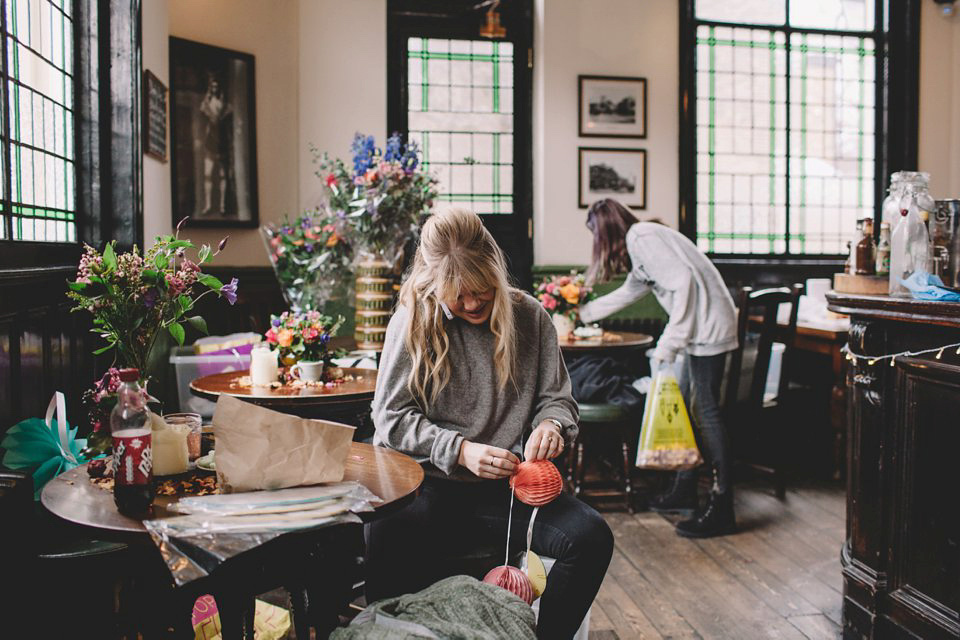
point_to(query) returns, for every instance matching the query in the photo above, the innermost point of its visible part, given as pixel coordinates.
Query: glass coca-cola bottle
(132, 448)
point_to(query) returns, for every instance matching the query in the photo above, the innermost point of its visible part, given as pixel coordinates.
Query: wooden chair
(756, 427)
(598, 420)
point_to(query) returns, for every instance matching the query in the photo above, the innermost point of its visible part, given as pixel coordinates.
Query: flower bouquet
(133, 298)
(561, 296)
(382, 199)
(382, 196)
(302, 338)
(311, 258)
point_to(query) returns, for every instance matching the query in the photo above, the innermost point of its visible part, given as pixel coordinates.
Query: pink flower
(550, 287)
(549, 303)
(564, 280)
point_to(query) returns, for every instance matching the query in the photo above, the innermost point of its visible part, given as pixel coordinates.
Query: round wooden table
(392, 476)
(610, 341)
(348, 401)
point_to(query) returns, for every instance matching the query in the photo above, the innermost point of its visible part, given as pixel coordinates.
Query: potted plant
(302, 341)
(561, 296)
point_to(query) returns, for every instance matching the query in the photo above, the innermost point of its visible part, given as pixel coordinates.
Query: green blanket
(460, 607)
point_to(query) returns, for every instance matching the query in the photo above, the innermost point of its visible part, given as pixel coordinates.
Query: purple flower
(150, 298)
(229, 291)
(275, 322)
(325, 338)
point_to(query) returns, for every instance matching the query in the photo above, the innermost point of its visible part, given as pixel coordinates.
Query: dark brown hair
(609, 221)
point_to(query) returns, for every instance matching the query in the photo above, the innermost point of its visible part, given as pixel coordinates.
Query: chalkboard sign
(154, 117)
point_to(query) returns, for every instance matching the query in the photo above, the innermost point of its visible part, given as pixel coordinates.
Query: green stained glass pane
(40, 86)
(831, 139)
(460, 111)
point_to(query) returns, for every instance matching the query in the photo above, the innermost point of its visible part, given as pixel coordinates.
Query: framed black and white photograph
(612, 106)
(620, 174)
(213, 135)
(154, 117)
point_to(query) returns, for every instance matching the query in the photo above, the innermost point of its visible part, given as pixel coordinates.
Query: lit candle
(263, 366)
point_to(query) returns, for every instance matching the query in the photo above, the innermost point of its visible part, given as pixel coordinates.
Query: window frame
(106, 135)
(459, 19)
(896, 112)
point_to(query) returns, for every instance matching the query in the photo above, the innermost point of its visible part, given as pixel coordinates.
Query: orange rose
(333, 240)
(285, 337)
(570, 293)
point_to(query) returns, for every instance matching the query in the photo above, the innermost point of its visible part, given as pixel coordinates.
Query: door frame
(458, 19)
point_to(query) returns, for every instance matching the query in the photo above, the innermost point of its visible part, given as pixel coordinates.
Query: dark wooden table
(392, 476)
(347, 402)
(294, 560)
(611, 341)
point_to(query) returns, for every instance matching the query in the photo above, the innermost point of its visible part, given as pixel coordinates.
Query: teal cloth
(458, 608)
(34, 447)
(927, 286)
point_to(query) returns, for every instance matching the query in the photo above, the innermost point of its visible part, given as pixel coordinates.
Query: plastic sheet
(217, 528)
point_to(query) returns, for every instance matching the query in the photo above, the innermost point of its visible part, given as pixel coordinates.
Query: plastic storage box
(189, 366)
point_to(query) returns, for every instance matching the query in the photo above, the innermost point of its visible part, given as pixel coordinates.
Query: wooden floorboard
(777, 578)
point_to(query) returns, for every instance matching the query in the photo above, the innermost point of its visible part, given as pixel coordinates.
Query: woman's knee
(590, 535)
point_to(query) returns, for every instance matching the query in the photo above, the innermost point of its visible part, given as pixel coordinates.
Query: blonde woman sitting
(470, 379)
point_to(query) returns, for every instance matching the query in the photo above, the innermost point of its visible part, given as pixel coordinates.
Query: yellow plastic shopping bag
(666, 437)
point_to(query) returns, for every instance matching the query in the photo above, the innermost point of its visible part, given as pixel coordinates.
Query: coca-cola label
(132, 456)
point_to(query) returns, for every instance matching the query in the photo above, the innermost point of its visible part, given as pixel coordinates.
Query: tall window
(460, 111)
(463, 92)
(37, 161)
(785, 115)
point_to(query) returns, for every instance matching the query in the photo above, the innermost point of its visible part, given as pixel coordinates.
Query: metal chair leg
(578, 482)
(627, 480)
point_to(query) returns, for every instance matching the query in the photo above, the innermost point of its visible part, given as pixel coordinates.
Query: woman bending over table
(470, 379)
(702, 326)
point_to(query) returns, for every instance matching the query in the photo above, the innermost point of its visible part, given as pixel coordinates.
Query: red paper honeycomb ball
(537, 482)
(513, 580)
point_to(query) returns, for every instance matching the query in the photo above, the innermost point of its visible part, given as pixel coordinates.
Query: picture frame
(612, 106)
(606, 172)
(213, 139)
(154, 117)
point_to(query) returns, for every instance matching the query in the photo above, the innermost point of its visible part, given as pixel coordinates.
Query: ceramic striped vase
(375, 287)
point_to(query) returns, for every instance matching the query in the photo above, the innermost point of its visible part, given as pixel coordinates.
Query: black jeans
(406, 550)
(700, 381)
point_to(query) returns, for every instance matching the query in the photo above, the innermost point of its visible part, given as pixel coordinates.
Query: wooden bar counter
(901, 557)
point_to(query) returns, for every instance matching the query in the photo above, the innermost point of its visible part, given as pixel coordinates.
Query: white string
(506, 558)
(872, 360)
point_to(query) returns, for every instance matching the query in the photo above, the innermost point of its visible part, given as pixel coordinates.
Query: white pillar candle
(263, 366)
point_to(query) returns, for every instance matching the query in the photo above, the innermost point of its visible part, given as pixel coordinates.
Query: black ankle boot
(716, 519)
(681, 498)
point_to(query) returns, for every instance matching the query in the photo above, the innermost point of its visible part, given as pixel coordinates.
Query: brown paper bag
(262, 449)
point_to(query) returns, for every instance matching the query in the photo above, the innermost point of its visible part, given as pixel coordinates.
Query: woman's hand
(545, 442)
(487, 462)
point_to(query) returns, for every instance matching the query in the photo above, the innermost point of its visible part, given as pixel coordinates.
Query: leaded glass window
(37, 122)
(785, 124)
(460, 111)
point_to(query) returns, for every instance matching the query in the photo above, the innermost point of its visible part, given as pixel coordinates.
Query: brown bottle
(866, 250)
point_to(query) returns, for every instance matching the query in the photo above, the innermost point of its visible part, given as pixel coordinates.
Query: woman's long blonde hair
(456, 253)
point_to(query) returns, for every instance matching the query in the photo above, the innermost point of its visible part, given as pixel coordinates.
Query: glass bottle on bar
(883, 251)
(866, 250)
(890, 209)
(909, 245)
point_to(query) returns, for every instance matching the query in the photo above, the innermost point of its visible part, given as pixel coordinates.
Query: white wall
(600, 37)
(269, 31)
(939, 148)
(343, 81)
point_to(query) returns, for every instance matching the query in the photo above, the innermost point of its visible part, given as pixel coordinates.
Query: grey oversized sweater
(471, 406)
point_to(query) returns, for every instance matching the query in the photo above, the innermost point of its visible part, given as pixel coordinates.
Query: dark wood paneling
(900, 561)
(43, 346)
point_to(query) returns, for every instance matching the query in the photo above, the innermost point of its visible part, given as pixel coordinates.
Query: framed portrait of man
(213, 135)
